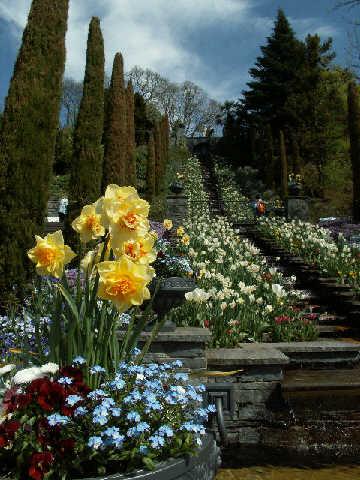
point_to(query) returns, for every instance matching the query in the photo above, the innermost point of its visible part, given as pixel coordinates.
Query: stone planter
(203, 466)
(176, 187)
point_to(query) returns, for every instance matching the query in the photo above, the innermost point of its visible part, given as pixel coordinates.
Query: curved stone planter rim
(205, 461)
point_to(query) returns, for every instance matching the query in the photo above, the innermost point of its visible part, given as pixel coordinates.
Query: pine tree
(150, 169)
(131, 154)
(284, 166)
(354, 132)
(29, 129)
(276, 76)
(87, 167)
(116, 147)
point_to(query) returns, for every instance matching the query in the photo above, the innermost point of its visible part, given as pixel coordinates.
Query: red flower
(72, 372)
(282, 319)
(206, 323)
(3, 441)
(66, 446)
(12, 427)
(50, 395)
(40, 464)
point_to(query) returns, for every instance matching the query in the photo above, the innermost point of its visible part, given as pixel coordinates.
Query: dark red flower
(66, 446)
(11, 427)
(50, 395)
(40, 464)
(3, 441)
(72, 372)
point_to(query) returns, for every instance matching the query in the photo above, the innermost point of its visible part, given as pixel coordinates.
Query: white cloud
(312, 25)
(149, 33)
(155, 34)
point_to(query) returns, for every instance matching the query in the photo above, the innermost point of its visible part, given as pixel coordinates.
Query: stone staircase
(52, 222)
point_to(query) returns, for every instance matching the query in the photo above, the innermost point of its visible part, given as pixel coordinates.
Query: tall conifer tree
(270, 167)
(131, 158)
(159, 156)
(276, 76)
(150, 169)
(284, 166)
(116, 148)
(354, 131)
(87, 167)
(29, 129)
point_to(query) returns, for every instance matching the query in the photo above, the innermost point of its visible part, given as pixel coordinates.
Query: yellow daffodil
(168, 224)
(154, 234)
(93, 257)
(185, 239)
(88, 224)
(124, 282)
(139, 250)
(129, 221)
(50, 254)
(113, 201)
(180, 231)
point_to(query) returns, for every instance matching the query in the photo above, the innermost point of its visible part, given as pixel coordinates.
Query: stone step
(324, 380)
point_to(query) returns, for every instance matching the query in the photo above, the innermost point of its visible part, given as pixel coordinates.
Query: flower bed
(237, 206)
(316, 247)
(240, 297)
(62, 421)
(54, 425)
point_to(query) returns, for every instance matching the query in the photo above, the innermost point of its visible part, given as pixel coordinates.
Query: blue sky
(210, 42)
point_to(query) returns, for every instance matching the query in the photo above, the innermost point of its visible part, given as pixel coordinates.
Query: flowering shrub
(239, 294)
(54, 426)
(315, 245)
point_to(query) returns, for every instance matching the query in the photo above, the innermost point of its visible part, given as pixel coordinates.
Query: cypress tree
(296, 159)
(354, 132)
(270, 166)
(116, 148)
(29, 129)
(143, 125)
(284, 166)
(131, 157)
(86, 172)
(159, 154)
(150, 169)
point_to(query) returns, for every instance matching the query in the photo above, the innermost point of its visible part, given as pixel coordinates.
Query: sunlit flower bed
(61, 422)
(238, 207)
(239, 296)
(315, 245)
(53, 425)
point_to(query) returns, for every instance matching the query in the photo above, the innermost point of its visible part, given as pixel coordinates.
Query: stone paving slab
(318, 346)
(249, 354)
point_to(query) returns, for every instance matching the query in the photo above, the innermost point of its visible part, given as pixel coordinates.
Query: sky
(210, 42)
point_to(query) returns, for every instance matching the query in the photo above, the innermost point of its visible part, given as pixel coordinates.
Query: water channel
(291, 473)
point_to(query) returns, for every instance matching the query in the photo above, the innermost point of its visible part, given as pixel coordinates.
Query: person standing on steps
(259, 206)
(63, 208)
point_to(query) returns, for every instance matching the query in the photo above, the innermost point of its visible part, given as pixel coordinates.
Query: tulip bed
(240, 297)
(334, 258)
(237, 206)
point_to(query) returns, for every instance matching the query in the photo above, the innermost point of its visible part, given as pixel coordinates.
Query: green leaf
(149, 464)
